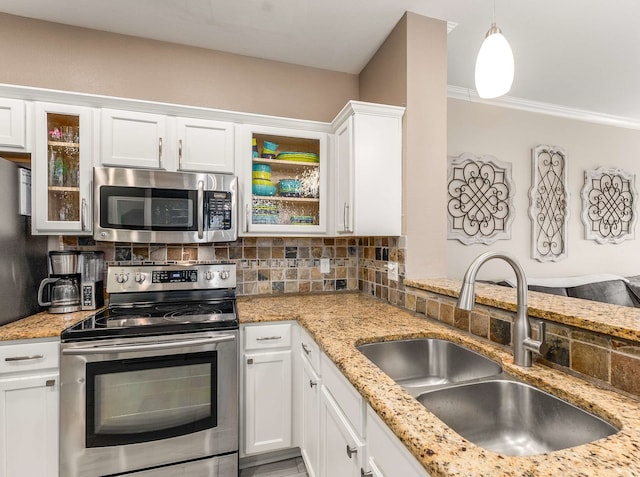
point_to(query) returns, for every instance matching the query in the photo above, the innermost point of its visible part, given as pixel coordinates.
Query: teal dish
(264, 190)
(262, 168)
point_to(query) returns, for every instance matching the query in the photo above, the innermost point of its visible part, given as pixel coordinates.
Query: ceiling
(576, 54)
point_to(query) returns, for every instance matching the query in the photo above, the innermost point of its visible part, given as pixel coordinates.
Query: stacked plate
(302, 219)
(299, 156)
(265, 213)
(261, 183)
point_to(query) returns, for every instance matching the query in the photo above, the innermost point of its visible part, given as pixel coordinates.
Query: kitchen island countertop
(340, 321)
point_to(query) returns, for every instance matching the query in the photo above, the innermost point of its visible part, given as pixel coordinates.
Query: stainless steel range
(149, 386)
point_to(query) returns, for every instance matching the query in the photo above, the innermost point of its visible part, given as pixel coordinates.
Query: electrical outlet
(392, 271)
(325, 265)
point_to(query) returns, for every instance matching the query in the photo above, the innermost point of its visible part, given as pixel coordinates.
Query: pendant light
(494, 64)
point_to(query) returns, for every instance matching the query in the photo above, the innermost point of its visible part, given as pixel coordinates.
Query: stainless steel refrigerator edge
(23, 257)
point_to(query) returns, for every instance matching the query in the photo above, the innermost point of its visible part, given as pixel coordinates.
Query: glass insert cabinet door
(63, 169)
(285, 186)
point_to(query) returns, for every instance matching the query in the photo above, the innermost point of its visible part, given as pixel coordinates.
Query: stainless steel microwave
(149, 206)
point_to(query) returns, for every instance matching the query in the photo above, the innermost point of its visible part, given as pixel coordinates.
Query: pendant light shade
(494, 65)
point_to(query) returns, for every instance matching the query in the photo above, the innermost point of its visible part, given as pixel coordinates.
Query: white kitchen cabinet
(62, 170)
(367, 179)
(205, 145)
(342, 448)
(133, 139)
(310, 408)
(13, 124)
(387, 456)
(29, 391)
(156, 141)
(267, 388)
(283, 191)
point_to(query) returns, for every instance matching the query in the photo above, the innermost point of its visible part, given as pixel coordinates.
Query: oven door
(134, 403)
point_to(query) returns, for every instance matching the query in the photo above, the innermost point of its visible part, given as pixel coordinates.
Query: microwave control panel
(219, 210)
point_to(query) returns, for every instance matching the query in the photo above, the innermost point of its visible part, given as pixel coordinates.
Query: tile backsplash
(274, 265)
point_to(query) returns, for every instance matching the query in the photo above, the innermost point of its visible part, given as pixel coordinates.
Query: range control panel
(142, 278)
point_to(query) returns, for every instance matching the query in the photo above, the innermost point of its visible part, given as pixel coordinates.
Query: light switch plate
(392, 271)
(325, 266)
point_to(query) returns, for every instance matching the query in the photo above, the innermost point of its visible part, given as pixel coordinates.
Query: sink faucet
(523, 344)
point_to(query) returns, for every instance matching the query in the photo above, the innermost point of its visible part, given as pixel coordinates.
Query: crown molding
(466, 94)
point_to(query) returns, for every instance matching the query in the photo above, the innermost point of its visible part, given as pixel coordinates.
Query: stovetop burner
(161, 300)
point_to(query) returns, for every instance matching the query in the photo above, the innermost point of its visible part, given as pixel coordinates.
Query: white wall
(509, 135)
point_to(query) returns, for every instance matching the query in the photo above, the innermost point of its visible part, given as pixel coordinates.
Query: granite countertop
(41, 325)
(339, 322)
(612, 320)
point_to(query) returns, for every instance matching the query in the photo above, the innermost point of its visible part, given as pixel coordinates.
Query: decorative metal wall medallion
(548, 199)
(609, 200)
(480, 199)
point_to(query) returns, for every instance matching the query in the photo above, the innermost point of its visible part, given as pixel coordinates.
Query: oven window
(145, 399)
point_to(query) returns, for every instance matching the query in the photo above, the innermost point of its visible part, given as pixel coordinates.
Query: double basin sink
(473, 396)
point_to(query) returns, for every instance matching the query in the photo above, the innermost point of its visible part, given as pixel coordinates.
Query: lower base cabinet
(310, 419)
(387, 456)
(29, 425)
(342, 449)
(266, 368)
(338, 433)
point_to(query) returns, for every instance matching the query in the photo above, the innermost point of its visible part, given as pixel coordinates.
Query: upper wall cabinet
(13, 120)
(205, 145)
(283, 176)
(367, 177)
(62, 169)
(146, 140)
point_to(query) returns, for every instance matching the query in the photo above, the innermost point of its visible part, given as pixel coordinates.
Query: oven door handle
(147, 347)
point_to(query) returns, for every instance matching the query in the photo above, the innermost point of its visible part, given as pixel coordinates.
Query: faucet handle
(540, 345)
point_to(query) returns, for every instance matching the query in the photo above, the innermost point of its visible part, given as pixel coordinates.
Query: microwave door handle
(147, 346)
(200, 207)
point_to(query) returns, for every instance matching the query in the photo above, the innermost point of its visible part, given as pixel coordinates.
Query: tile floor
(284, 468)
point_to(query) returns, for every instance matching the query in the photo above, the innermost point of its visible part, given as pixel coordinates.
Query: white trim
(466, 94)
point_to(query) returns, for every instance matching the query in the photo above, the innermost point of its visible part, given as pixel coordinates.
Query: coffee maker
(63, 285)
(92, 280)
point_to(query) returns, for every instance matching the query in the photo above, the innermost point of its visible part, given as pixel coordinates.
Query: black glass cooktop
(155, 319)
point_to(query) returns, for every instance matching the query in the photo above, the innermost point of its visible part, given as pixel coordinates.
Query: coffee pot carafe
(63, 285)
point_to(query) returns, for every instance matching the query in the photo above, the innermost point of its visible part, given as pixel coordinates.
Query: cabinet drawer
(310, 349)
(267, 336)
(345, 395)
(26, 356)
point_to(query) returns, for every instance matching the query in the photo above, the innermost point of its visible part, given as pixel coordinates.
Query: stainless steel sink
(417, 364)
(512, 418)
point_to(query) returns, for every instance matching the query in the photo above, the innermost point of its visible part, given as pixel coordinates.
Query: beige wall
(509, 135)
(410, 69)
(50, 55)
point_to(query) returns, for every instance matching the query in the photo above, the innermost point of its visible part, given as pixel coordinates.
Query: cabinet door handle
(180, 154)
(365, 474)
(351, 451)
(250, 361)
(247, 218)
(345, 212)
(160, 153)
(306, 349)
(50, 383)
(269, 338)
(315, 383)
(24, 358)
(83, 215)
